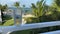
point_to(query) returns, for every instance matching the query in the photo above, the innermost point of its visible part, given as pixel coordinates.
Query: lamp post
(17, 17)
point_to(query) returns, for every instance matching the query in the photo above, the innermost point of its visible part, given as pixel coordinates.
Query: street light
(17, 16)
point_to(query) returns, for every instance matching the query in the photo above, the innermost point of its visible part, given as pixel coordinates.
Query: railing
(52, 32)
(9, 29)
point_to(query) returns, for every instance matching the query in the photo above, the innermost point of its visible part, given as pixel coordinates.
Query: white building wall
(0, 16)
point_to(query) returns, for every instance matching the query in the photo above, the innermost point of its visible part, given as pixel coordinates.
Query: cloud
(14, 0)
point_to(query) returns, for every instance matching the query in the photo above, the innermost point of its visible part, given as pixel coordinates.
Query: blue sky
(22, 2)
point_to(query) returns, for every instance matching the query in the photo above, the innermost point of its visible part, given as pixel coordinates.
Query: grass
(9, 22)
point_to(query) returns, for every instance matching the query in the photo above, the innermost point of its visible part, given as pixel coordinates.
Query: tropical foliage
(3, 8)
(44, 12)
(16, 4)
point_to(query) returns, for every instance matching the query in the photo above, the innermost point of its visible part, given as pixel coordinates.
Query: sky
(27, 3)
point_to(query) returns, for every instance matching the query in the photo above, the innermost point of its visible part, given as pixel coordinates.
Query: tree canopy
(16, 4)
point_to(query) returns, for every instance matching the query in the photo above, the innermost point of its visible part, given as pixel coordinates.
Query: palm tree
(3, 8)
(38, 8)
(57, 2)
(16, 4)
(34, 9)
